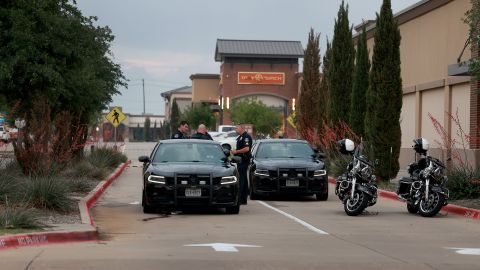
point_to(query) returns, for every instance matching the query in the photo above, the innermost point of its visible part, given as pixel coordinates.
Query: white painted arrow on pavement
(222, 247)
(467, 251)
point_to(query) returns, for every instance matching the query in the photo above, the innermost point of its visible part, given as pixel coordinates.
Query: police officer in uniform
(202, 133)
(181, 131)
(244, 143)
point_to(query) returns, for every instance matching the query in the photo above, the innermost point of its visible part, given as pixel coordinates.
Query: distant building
(183, 97)
(267, 70)
(131, 129)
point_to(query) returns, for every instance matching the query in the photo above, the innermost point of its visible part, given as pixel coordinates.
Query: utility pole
(143, 86)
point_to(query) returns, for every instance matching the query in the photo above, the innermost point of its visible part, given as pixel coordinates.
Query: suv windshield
(284, 150)
(189, 152)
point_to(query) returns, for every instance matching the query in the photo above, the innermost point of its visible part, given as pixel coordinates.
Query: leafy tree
(341, 68)
(384, 95)
(50, 51)
(472, 18)
(146, 129)
(164, 130)
(265, 120)
(360, 86)
(174, 116)
(199, 114)
(309, 113)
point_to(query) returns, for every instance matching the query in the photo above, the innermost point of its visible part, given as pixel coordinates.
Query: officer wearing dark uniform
(202, 133)
(244, 144)
(181, 131)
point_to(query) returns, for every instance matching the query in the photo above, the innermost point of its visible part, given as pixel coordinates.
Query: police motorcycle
(356, 188)
(425, 189)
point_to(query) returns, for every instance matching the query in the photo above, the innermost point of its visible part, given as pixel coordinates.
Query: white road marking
(303, 223)
(466, 251)
(222, 247)
(135, 203)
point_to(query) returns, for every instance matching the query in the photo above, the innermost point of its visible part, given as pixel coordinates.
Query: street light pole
(143, 87)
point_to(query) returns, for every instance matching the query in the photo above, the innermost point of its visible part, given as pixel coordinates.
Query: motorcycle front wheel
(355, 206)
(411, 208)
(431, 207)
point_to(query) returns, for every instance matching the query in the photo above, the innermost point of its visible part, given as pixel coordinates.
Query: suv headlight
(261, 172)
(156, 179)
(226, 180)
(318, 173)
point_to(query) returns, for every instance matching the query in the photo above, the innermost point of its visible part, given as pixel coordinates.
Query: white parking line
(303, 223)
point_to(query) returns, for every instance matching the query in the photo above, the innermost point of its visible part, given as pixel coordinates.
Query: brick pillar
(474, 101)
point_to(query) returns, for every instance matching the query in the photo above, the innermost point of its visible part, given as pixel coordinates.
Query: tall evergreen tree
(174, 117)
(360, 86)
(341, 68)
(308, 108)
(324, 93)
(384, 95)
(146, 130)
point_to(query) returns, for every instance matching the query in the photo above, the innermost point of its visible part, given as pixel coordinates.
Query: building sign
(265, 78)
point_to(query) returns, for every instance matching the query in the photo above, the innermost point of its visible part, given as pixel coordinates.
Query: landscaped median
(450, 208)
(80, 233)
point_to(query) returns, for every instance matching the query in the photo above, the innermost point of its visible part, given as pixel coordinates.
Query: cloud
(161, 64)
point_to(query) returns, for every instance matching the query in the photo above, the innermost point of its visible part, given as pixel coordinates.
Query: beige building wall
(432, 104)
(433, 37)
(205, 89)
(406, 118)
(461, 97)
(433, 41)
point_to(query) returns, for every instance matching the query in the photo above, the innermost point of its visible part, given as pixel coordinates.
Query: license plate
(193, 192)
(292, 183)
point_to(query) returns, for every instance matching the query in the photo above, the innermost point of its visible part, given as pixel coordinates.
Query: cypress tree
(174, 117)
(308, 113)
(360, 86)
(324, 93)
(341, 68)
(384, 95)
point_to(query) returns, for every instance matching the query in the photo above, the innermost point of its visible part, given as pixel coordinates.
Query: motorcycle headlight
(156, 179)
(319, 173)
(226, 180)
(261, 172)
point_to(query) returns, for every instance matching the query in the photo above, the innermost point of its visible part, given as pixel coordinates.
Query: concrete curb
(450, 208)
(89, 234)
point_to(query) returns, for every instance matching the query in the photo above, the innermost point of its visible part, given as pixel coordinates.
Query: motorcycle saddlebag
(404, 185)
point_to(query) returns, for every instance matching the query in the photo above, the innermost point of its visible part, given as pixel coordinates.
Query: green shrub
(79, 185)
(18, 218)
(8, 186)
(48, 193)
(106, 158)
(464, 184)
(338, 164)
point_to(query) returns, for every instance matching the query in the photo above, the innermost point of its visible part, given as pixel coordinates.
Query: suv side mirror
(321, 155)
(226, 152)
(144, 159)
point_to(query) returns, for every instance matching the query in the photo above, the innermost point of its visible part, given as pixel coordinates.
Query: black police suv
(287, 166)
(191, 172)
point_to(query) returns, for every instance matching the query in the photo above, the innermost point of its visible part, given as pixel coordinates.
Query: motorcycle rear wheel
(431, 207)
(355, 206)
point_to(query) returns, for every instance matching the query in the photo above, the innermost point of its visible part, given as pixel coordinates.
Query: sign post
(115, 117)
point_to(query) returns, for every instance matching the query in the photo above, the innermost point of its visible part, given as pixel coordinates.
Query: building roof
(204, 76)
(257, 48)
(184, 89)
(414, 11)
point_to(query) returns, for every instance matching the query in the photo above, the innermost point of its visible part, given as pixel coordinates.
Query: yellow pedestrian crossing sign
(115, 116)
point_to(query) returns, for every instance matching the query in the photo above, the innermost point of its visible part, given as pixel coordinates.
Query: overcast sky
(165, 42)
